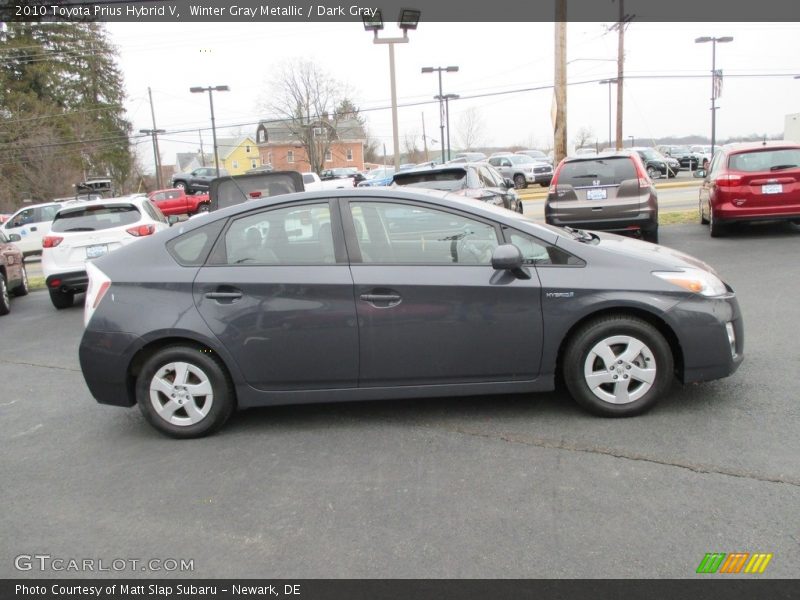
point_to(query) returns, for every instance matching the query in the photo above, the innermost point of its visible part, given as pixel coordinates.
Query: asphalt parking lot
(490, 487)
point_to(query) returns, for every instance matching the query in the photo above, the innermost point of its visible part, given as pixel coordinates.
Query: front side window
(403, 234)
(536, 252)
(295, 235)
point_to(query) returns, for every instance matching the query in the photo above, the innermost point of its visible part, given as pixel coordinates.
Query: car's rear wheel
(22, 288)
(617, 366)
(5, 299)
(715, 228)
(62, 299)
(650, 234)
(185, 392)
(520, 181)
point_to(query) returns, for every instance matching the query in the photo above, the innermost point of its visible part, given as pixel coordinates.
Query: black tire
(203, 368)
(650, 235)
(203, 208)
(520, 182)
(703, 218)
(5, 299)
(22, 288)
(652, 172)
(61, 299)
(620, 334)
(181, 185)
(715, 228)
(545, 183)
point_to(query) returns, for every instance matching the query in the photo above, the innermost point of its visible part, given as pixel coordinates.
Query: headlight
(694, 280)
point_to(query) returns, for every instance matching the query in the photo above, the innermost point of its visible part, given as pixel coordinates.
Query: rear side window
(600, 171)
(765, 160)
(192, 248)
(96, 218)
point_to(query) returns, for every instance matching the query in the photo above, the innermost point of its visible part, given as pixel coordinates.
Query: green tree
(61, 108)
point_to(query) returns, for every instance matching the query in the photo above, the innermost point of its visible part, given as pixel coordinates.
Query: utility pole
(560, 91)
(424, 138)
(621, 24)
(156, 131)
(202, 152)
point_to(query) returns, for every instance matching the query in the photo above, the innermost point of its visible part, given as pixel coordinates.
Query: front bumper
(72, 282)
(701, 325)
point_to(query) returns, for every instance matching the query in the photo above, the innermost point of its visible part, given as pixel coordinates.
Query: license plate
(96, 251)
(597, 194)
(772, 188)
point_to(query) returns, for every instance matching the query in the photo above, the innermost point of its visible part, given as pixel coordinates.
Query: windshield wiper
(780, 167)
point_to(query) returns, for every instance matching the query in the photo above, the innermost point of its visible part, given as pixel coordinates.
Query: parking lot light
(440, 98)
(714, 89)
(211, 89)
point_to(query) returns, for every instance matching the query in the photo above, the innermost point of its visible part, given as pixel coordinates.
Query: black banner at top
(430, 10)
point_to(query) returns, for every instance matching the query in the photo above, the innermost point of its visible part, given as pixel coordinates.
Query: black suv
(198, 180)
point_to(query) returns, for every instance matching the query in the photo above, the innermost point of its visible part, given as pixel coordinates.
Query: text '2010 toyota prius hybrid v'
(377, 294)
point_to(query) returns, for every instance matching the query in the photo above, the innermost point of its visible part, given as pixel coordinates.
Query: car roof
(769, 144)
(625, 153)
(137, 199)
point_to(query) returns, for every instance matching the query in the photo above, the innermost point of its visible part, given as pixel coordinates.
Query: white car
(83, 231)
(31, 224)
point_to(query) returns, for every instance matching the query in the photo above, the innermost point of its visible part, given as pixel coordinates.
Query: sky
(169, 58)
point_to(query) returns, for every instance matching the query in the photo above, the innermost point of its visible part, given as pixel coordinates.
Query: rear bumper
(104, 359)
(74, 282)
(643, 221)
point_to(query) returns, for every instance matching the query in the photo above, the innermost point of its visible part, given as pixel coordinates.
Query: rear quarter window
(96, 218)
(602, 171)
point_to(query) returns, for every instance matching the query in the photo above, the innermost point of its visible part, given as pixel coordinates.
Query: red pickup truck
(175, 201)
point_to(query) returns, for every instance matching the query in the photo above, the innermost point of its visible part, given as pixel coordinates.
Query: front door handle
(226, 297)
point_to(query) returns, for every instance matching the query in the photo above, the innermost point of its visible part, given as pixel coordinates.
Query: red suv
(751, 182)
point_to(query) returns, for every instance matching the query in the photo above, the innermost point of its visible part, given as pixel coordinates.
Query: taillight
(729, 180)
(141, 230)
(99, 283)
(51, 241)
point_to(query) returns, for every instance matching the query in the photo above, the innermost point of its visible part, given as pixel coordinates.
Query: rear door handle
(382, 300)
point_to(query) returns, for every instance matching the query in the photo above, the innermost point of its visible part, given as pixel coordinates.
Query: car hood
(661, 257)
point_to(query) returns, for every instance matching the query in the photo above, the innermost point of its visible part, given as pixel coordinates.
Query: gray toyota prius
(374, 294)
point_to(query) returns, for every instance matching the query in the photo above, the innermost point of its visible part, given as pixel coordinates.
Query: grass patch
(678, 217)
(35, 283)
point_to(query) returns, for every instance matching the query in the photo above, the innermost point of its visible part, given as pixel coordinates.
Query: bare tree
(306, 99)
(470, 130)
(583, 136)
(412, 151)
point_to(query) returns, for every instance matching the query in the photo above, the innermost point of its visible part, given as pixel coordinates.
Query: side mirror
(507, 257)
(509, 183)
(14, 237)
(699, 173)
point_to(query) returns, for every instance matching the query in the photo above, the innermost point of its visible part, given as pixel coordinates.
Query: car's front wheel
(519, 181)
(703, 218)
(62, 299)
(617, 366)
(185, 392)
(652, 172)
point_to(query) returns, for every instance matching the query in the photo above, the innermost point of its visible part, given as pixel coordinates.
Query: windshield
(448, 181)
(95, 218)
(521, 159)
(380, 173)
(651, 154)
(765, 160)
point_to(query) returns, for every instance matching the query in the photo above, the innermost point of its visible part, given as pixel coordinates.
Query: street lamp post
(609, 82)
(447, 98)
(211, 89)
(154, 134)
(409, 18)
(441, 98)
(633, 140)
(714, 41)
